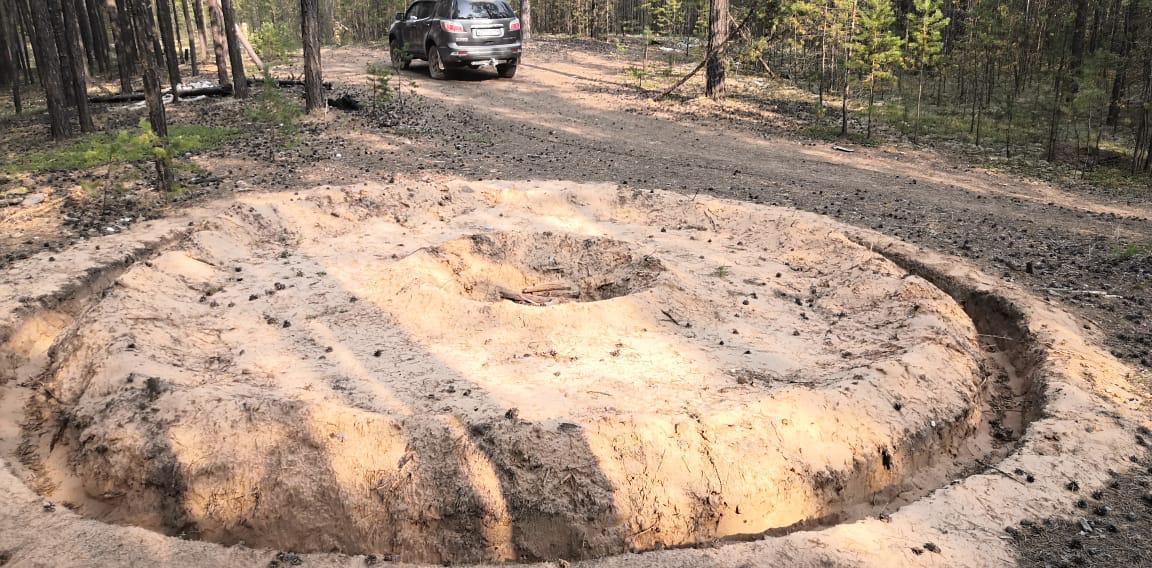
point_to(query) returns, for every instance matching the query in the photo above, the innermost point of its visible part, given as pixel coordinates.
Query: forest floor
(574, 113)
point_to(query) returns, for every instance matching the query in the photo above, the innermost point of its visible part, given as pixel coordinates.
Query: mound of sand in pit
(343, 370)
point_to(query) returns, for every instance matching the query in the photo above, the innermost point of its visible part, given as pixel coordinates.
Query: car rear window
(483, 9)
(420, 10)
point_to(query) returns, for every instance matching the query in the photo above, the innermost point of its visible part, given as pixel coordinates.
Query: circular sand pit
(486, 373)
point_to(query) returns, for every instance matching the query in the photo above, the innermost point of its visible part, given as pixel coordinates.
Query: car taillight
(514, 26)
(452, 27)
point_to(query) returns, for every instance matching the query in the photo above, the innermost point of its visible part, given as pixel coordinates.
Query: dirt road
(568, 116)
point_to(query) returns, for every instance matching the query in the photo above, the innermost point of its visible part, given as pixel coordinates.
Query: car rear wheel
(396, 52)
(435, 67)
(506, 70)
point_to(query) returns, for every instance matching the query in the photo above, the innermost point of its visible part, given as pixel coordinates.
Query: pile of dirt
(483, 372)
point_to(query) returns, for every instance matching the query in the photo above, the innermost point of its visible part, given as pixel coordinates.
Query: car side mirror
(399, 16)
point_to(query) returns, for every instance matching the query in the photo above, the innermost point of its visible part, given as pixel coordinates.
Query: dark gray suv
(457, 33)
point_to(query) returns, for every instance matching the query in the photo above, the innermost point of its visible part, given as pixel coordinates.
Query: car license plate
(487, 32)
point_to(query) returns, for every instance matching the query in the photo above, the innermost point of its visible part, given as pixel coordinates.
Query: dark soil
(1112, 528)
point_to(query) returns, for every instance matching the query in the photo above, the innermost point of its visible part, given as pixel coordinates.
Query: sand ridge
(370, 391)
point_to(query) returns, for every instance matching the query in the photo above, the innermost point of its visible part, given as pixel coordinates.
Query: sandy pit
(483, 372)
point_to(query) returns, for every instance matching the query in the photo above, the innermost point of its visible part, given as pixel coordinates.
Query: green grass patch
(1118, 178)
(721, 272)
(273, 108)
(7, 111)
(1132, 250)
(98, 149)
(933, 123)
(407, 131)
(477, 137)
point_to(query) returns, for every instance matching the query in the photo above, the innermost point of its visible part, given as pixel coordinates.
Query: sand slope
(342, 371)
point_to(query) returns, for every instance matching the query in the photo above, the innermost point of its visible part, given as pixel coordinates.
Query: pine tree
(803, 22)
(875, 47)
(925, 44)
(851, 32)
(700, 28)
(310, 35)
(717, 36)
(665, 16)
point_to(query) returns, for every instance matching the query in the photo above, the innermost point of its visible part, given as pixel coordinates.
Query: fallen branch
(213, 91)
(767, 69)
(1000, 471)
(1100, 293)
(569, 293)
(711, 219)
(555, 287)
(988, 335)
(672, 319)
(248, 48)
(289, 83)
(510, 294)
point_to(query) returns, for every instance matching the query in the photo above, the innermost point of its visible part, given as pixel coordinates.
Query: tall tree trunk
(99, 32)
(1079, 40)
(327, 17)
(76, 58)
(1017, 85)
(239, 81)
(123, 61)
(48, 64)
(8, 71)
(823, 57)
(84, 27)
(164, 17)
(980, 115)
(919, 98)
(871, 101)
(525, 19)
(219, 43)
(198, 12)
(25, 21)
(142, 16)
(310, 33)
(176, 28)
(592, 19)
(128, 41)
(717, 35)
(1122, 48)
(192, 54)
(9, 52)
(1143, 119)
(1054, 121)
(847, 77)
(56, 18)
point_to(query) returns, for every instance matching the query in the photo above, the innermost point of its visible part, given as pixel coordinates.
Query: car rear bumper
(469, 54)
